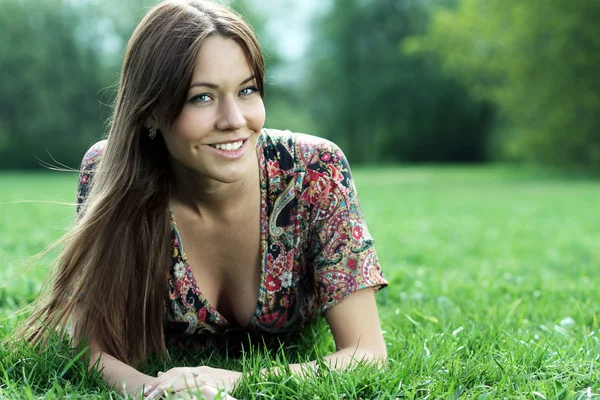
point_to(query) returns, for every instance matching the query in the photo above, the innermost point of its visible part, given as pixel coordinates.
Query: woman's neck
(202, 195)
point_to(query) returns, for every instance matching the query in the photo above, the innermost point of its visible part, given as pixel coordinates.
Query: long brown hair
(113, 268)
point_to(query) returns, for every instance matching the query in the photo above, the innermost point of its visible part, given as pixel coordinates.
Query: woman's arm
(126, 379)
(122, 377)
(356, 329)
(188, 382)
(342, 243)
(355, 326)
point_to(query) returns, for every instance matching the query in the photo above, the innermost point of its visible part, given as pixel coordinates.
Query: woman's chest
(224, 262)
(257, 272)
(275, 293)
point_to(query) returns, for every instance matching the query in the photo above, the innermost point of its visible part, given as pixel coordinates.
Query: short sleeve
(86, 172)
(343, 252)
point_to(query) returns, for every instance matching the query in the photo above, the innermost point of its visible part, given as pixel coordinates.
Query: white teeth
(228, 146)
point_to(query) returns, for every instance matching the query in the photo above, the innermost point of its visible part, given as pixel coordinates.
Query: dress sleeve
(86, 173)
(343, 255)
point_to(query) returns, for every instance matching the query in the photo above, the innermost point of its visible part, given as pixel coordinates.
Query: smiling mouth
(228, 146)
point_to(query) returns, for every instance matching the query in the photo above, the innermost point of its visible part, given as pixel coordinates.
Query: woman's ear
(150, 123)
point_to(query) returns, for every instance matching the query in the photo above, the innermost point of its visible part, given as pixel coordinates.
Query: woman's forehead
(221, 61)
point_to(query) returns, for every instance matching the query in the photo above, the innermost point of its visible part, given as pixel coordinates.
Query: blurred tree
(538, 60)
(380, 104)
(49, 96)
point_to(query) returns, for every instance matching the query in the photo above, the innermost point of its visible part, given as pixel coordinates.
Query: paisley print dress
(316, 248)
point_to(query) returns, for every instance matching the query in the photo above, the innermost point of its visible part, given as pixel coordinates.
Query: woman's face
(215, 133)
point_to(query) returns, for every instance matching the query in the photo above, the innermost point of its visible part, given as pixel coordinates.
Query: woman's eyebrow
(214, 86)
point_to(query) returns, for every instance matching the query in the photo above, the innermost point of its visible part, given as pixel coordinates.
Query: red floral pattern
(318, 249)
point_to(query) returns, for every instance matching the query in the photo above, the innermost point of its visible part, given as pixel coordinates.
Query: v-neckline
(263, 250)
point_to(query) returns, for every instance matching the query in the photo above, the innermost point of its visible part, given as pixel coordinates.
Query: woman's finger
(182, 390)
(171, 375)
(207, 392)
(173, 385)
(156, 393)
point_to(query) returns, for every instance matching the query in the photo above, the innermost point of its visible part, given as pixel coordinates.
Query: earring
(151, 133)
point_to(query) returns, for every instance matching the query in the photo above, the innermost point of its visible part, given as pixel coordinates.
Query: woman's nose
(231, 116)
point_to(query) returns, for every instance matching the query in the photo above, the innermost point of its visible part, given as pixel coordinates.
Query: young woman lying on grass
(198, 227)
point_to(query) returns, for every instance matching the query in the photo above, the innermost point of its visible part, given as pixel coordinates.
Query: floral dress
(316, 248)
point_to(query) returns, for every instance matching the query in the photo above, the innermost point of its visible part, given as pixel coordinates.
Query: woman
(196, 225)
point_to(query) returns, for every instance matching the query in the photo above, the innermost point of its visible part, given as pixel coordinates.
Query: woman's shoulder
(291, 139)
(94, 153)
(306, 151)
(87, 171)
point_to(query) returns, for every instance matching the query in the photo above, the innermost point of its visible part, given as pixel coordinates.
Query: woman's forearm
(341, 359)
(348, 357)
(122, 377)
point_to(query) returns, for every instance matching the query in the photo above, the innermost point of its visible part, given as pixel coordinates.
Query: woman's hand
(204, 392)
(205, 380)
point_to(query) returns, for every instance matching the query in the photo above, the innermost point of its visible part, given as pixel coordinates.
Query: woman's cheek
(258, 116)
(191, 125)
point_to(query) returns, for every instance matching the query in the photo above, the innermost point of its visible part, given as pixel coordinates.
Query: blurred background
(390, 81)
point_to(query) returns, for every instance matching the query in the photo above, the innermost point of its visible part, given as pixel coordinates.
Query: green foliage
(380, 104)
(388, 80)
(258, 21)
(52, 85)
(493, 291)
(538, 61)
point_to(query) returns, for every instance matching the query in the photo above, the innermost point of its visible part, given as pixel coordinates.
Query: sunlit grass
(494, 276)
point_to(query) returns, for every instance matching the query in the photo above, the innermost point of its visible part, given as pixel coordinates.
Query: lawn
(494, 289)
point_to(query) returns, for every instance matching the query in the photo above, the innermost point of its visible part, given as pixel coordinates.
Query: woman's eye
(201, 98)
(248, 91)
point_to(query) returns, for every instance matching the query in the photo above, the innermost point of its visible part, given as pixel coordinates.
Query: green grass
(494, 290)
